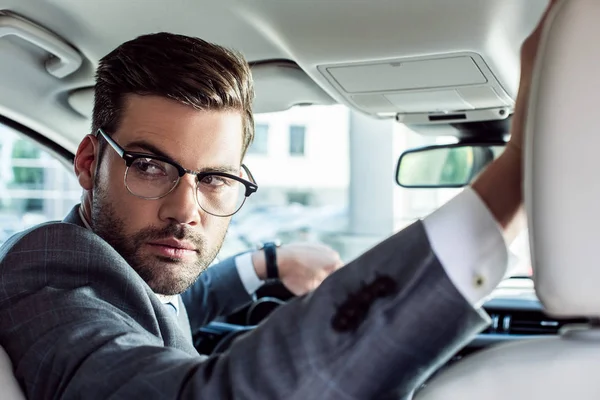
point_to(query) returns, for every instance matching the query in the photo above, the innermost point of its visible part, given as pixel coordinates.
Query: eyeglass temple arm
(249, 174)
(110, 141)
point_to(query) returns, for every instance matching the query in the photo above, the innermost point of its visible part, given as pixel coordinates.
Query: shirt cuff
(247, 273)
(469, 244)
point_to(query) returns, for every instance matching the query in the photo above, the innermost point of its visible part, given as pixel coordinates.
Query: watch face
(276, 243)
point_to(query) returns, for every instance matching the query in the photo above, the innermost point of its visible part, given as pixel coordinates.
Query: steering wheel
(217, 336)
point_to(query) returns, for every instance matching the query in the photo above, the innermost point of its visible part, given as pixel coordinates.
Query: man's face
(171, 240)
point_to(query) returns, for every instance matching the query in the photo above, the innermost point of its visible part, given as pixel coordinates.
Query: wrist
(260, 264)
(266, 261)
(500, 186)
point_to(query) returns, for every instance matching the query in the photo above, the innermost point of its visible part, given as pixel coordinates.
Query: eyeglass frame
(130, 156)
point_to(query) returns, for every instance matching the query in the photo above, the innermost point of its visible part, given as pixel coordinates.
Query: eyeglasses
(152, 177)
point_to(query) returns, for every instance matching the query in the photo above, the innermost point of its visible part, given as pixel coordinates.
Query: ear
(86, 160)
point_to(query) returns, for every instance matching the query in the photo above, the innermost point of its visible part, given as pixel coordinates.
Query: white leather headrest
(562, 161)
(9, 386)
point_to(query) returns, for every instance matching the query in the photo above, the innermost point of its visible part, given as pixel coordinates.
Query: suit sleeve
(218, 292)
(78, 323)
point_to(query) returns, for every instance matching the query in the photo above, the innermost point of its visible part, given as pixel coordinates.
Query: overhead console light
(64, 60)
(427, 90)
(453, 117)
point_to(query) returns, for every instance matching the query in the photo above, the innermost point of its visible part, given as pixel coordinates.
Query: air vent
(533, 323)
(516, 322)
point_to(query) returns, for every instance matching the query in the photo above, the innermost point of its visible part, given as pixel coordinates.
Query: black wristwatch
(270, 249)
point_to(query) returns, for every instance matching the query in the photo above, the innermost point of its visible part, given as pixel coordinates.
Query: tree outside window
(31, 177)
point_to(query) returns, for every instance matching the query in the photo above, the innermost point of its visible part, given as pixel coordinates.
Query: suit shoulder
(52, 235)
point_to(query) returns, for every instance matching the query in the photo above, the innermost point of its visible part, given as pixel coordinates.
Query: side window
(35, 187)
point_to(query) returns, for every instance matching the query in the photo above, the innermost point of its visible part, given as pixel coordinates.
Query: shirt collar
(84, 219)
(173, 300)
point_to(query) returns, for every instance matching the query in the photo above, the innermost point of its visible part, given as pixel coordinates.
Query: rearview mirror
(448, 166)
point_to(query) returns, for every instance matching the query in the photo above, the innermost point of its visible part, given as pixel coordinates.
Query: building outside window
(260, 145)
(297, 139)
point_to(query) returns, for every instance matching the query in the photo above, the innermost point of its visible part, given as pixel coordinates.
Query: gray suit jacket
(78, 322)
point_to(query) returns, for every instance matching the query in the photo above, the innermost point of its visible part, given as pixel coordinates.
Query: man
(79, 311)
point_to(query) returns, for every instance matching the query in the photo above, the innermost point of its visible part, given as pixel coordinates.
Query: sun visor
(281, 85)
(278, 86)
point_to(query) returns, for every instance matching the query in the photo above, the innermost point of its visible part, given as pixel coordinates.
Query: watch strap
(270, 250)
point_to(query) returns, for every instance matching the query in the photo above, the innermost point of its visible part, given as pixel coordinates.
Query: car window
(34, 186)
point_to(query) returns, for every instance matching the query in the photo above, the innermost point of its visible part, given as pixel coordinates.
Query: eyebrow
(144, 145)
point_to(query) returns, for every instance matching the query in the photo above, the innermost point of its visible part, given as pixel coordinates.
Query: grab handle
(66, 59)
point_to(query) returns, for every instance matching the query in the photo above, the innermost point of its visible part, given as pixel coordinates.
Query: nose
(181, 205)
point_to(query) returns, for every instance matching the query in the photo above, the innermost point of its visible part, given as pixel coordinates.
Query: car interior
(436, 81)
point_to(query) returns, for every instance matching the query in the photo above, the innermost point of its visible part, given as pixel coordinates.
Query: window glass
(34, 186)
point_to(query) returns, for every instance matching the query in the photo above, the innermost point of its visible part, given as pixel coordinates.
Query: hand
(529, 51)
(302, 266)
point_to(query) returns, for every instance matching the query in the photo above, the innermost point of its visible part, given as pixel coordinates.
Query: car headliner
(287, 39)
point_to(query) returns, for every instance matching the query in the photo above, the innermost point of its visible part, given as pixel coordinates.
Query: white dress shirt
(248, 275)
(469, 244)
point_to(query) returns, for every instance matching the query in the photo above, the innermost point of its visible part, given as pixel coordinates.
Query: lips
(174, 243)
(173, 248)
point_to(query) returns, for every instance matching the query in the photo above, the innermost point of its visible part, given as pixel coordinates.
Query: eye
(150, 167)
(215, 181)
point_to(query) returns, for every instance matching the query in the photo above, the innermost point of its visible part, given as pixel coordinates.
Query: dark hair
(186, 69)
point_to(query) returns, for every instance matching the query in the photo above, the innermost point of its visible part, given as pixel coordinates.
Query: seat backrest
(9, 387)
(552, 368)
(562, 193)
